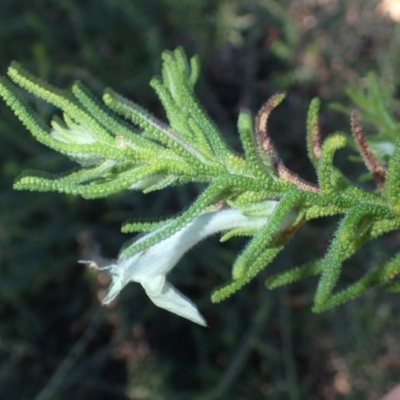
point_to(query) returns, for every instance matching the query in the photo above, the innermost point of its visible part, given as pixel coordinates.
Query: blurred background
(56, 341)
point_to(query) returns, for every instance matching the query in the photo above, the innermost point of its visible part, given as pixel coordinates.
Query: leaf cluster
(377, 104)
(121, 146)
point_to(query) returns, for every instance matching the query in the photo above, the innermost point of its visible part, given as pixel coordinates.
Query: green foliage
(375, 99)
(151, 155)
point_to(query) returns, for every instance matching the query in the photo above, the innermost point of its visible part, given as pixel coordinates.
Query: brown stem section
(264, 141)
(377, 170)
(262, 137)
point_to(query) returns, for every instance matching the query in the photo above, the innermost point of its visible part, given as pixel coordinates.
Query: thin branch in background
(56, 382)
(287, 352)
(238, 360)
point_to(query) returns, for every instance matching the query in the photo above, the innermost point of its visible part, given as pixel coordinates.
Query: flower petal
(150, 266)
(169, 298)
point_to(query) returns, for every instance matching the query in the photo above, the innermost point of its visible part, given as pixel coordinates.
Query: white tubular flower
(382, 149)
(150, 267)
(79, 135)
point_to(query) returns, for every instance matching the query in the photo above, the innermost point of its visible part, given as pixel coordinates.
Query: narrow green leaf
(313, 134)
